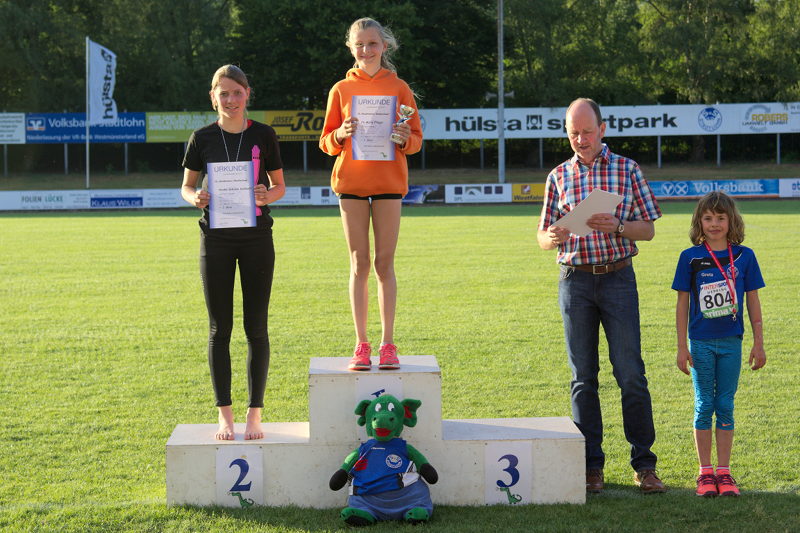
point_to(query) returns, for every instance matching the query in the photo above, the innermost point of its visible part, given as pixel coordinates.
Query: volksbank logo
(680, 188)
(537, 122)
(35, 124)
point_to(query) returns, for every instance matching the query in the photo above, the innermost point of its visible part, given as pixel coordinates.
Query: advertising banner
(48, 128)
(527, 193)
(293, 196)
(307, 196)
(424, 194)
(478, 193)
(90, 199)
(12, 128)
(631, 121)
(789, 188)
(166, 127)
(175, 127)
(682, 190)
(296, 125)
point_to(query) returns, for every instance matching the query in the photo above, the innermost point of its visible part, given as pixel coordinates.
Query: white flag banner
(102, 77)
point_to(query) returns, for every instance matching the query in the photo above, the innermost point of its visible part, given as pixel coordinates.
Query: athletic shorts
(371, 197)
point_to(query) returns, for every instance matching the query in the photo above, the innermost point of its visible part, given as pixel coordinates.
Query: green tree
(696, 48)
(41, 56)
(696, 51)
(563, 49)
(166, 51)
(773, 65)
(295, 50)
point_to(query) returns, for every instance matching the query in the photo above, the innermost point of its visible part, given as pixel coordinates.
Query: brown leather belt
(603, 269)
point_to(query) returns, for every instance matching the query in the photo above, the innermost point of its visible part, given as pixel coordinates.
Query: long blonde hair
(387, 37)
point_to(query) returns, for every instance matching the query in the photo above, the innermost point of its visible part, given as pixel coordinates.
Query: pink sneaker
(706, 485)
(360, 360)
(727, 485)
(388, 360)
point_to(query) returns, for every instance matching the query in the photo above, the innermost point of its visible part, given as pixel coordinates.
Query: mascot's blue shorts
(394, 504)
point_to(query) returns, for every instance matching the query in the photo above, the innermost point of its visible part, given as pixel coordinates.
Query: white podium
(482, 461)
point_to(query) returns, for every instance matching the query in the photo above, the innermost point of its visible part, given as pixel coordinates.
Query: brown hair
(717, 202)
(232, 72)
(595, 107)
(387, 37)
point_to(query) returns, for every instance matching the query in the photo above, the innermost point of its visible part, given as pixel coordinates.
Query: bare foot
(253, 429)
(225, 431)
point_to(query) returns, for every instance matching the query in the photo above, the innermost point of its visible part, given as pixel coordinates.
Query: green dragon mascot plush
(385, 471)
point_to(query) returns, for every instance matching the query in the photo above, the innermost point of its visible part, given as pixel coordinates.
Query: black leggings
(254, 251)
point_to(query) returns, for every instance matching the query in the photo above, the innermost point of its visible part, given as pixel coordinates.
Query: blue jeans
(588, 300)
(716, 364)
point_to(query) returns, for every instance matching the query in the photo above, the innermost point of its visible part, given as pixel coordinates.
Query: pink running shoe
(388, 360)
(727, 485)
(706, 485)
(360, 360)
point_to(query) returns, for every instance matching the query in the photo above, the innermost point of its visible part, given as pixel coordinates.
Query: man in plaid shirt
(598, 285)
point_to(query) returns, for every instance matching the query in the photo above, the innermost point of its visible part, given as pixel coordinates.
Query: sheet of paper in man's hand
(598, 201)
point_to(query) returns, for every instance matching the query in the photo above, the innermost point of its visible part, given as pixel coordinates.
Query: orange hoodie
(360, 177)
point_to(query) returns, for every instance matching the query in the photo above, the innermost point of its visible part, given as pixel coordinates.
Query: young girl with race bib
(713, 278)
(370, 175)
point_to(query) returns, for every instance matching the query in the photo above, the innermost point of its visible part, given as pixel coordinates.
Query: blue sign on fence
(71, 128)
(696, 188)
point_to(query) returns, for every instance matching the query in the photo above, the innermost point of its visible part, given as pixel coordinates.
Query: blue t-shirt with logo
(380, 466)
(698, 274)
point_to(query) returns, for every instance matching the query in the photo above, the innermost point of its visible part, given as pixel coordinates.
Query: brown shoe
(648, 481)
(594, 480)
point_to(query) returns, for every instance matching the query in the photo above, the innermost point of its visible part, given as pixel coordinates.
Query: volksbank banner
(678, 190)
(71, 128)
(630, 121)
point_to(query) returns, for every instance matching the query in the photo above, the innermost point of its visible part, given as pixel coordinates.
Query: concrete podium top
(408, 364)
(486, 429)
(274, 433)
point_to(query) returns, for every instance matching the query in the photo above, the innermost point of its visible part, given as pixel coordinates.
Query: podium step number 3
(507, 465)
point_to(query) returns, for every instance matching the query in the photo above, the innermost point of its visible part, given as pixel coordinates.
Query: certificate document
(598, 201)
(232, 203)
(372, 139)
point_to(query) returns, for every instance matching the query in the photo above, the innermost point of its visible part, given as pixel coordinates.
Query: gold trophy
(404, 113)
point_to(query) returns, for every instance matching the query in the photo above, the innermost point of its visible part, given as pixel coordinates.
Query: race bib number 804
(715, 300)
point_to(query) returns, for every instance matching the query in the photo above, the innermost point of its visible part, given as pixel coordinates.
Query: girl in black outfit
(235, 138)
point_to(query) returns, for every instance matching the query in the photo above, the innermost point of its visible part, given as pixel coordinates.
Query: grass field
(102, 353)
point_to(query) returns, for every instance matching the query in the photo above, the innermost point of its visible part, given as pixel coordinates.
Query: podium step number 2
(240, 476)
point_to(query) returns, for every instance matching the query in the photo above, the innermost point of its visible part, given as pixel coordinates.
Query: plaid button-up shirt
(570, 182)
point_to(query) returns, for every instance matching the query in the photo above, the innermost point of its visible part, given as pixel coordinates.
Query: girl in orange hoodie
(369, 178)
